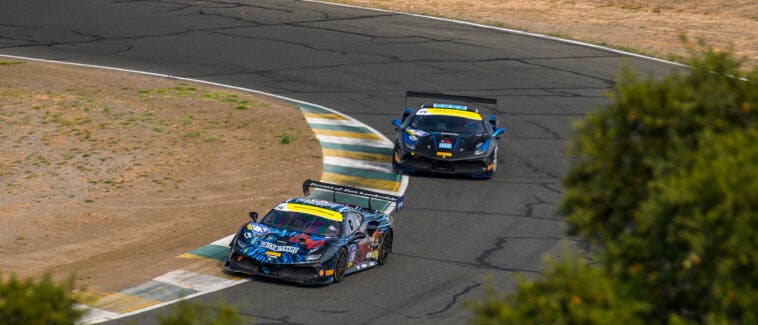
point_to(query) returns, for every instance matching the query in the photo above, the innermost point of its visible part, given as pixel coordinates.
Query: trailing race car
(315, 241)
(447, 138)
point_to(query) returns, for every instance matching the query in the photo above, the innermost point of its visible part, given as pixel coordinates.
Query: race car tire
(488, 175)
(494, 161)
(340, 266)
(385, 248)
(395, 166)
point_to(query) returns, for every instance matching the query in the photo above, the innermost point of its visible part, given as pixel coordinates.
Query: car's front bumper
(311, 273)
(472, 167)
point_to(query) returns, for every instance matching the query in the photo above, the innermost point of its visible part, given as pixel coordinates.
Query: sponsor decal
(352, 250)
(273, 254)
(351, 190)
(446, 144)
(277, 248)
(418, 133)
(365, 265)
(444, 154)
(247, 235)
(329, 272)
(307, 209)
(450, 112)
(258, 229)
(453, 106)
(308, 241)
(375, 254)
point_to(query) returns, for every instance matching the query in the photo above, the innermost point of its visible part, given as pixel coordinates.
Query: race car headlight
(410, 140)
(239, 239)
(239, 242)
(482, 147)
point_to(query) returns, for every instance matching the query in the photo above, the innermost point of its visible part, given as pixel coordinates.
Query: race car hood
(447, 145)
(278, 246)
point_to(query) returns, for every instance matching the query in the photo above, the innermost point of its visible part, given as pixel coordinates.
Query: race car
(316, 240)
(447, 137)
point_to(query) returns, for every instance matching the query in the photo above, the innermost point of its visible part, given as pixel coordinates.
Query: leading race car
(315, 241)
(446, 137)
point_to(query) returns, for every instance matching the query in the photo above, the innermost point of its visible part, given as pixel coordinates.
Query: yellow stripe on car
(454, 112)
(316, 211)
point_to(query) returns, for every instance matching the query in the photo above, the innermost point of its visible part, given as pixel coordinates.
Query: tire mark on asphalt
(485, 213)
(488, 265)
(545, 128)
(455, 299)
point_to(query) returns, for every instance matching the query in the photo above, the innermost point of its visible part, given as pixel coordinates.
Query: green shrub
(665, 188)
(30, 302)
(185, 313)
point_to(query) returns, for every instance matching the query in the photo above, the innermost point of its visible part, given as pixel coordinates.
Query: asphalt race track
(453, 233)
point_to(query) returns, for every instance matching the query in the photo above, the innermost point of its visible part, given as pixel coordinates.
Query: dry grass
(127, 170)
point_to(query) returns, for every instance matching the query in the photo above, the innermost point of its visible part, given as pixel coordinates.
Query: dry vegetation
(104, 172)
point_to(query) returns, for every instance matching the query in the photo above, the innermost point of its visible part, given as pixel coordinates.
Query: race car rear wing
(352, 196)
(461, 99)
(464, 99)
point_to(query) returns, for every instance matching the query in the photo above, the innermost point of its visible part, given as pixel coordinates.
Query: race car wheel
(494, 161)
(395, 166)
(341, 266)
(386, 248)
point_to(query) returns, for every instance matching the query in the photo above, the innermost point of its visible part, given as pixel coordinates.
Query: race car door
(359, 247)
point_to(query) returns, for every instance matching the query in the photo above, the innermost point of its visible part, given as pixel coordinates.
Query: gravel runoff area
(110, 175)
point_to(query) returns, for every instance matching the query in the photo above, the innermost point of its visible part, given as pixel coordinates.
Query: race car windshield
(446, 123)
(302, 222)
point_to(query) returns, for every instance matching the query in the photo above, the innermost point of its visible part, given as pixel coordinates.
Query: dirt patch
(111, 175)
(648, 26)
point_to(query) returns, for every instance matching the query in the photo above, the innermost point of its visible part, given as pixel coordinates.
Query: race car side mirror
(493, 120)
(498, 132)
(407, 112)
(253, 215)
(397, 123)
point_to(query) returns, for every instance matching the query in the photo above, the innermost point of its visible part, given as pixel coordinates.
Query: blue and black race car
(316, 241)
(447, 137)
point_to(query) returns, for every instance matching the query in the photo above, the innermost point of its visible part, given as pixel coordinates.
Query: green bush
(567, 292)
(30, 302)
(637, 138)
(185, 313)
(665, 188)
